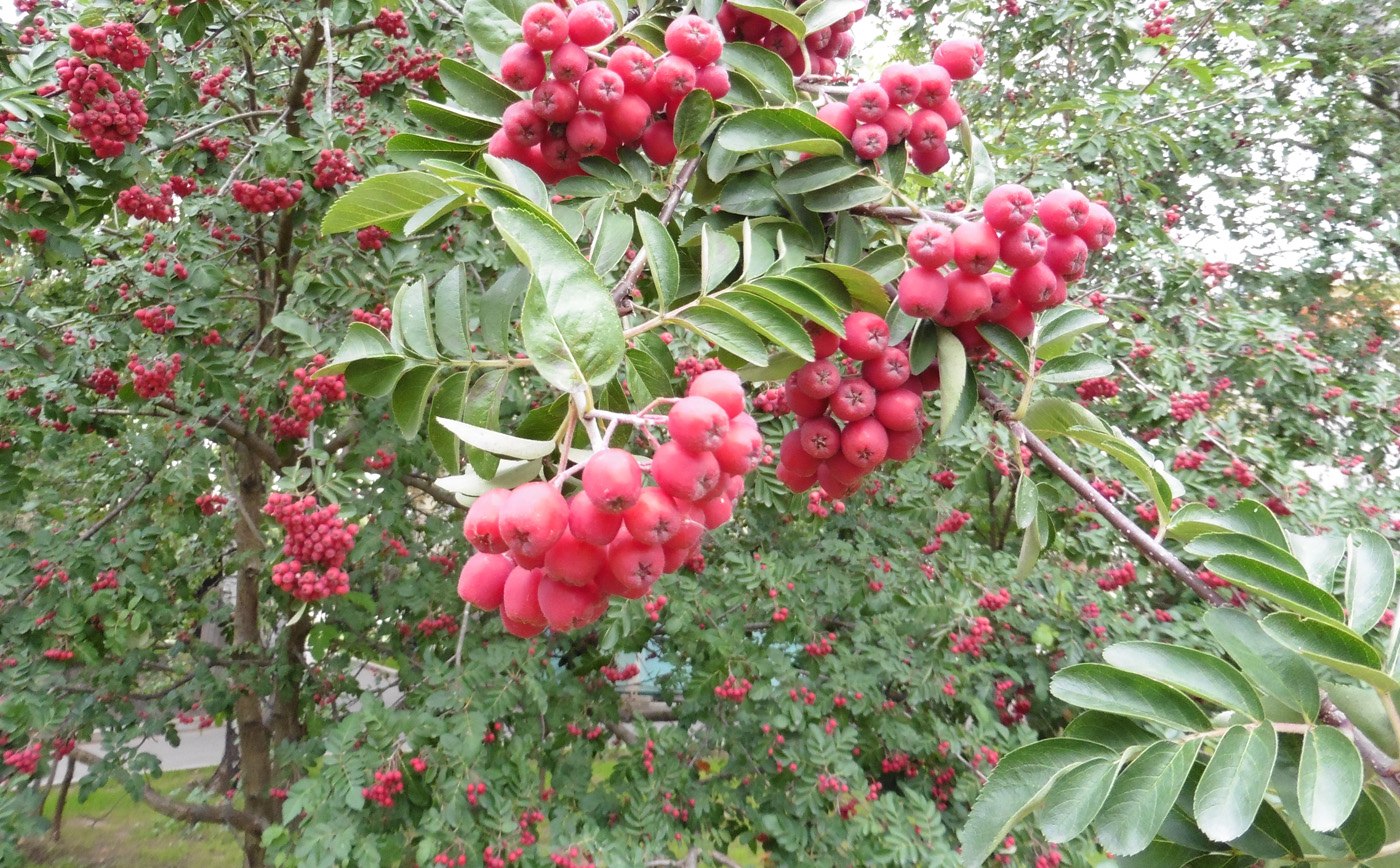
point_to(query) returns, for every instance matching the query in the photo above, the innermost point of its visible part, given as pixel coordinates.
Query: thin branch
(432, 489)
(900, 215)
(147, 478)
(201, 130)
(622, 293)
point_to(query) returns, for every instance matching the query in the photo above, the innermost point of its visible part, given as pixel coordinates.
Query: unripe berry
(544, 27)
(976, 247)
(721, 386)
(612, 479)
(1008, 206)
(590, 23)
(532, 519)
(868, 102)
(1063, 211)
(866, 335)
(522, 67)
(922, 292)
(697, 424)
(483, 580)
(854, 399)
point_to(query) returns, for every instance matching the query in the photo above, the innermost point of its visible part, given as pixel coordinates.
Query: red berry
(1023, 246)
(854, 399)
(899, 409)
(591, 524)
(569, 63)
(865, 442)
(659, 143)
(1034, 285)
(824, 343)
(1066, 255)
(742, 449)
(903, 444)
(635, 564)
(555, 101)
(930, 245)
(612, 479)
(866, 335)
(820, 437)
(628, 119)
(922, 292)
(573, 561)
(697, 424)
(590, 23)
(976, 247)
(653, 519)
(521, 601)
(887, 371)
(600, 88)
(968, 298)
(935, 85)
(961, 57)
(569, 607)
(927, 130)
(868, 102)
(686, 475)
(532, 519)
(714, 79)
(633, 64)
(818, 379)
(839, 116)
(1008, 206)
(586, 134)
(483, 580)
(694, 39)
(870, 141)
(522, 67)
(1063, 211)
(544, 27)
(794, 456)
(481, 526)
(802, 405)
(901, 82)
(522, 126)
(721, 386)
(1098, 230)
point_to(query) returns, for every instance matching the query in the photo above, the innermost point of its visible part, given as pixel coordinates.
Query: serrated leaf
(1276, 670)
(473, 89)
(409, 149)
(452, 120)
(1143, 795)
(718, 255)
(490, 30)
(1011, 348)
(362, 341)
(766, 318)
(1234, 782)
(692, 117)
(1056, 417)
(410, 399)
(612, 236)
(498, 305)
(1370, 579)
(799, 298)
(776, 11)
(1364, 831)
(865, 291)
(780, 129)
(663, 260)
(845, 195)
(1118, 734)
(1104, 688)
(375, 377)
(452, 320)
(1027, 501)
(1016, 787)
(1189, 670)
(1247, 517)
(387, 201)
(1329, 778)
(728, 331)
(816, 173)
(1064, 322)
(521, 179)
(656, 379)
(496, 442)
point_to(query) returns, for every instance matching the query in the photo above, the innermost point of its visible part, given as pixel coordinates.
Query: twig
(201, 130)
(122, 506)
(622, 293)
(432, 489)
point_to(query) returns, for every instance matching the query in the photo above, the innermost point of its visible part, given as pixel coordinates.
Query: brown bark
(62, 799)
(254, 739)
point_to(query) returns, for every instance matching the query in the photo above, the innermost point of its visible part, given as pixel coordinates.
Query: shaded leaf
(1234, 782)
(1276, 670)
(1329, 778)
(1143, 795)
(1194, 672)
(1103, 688)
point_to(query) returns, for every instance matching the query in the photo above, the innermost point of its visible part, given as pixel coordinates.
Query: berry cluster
(105, 581)
(1118, 577)
(1184, 405)
(140, 205)
(99, 111)
(21, 158)
(880, 405)
(876, 116)
(316, 537)
(156, 319)
(212, 87)
(155, 381)
(734, 689)
(1160, 23)
(382, 317)
(209, 504)
(577, 109)
(267, 195)
(419, 66)
(816, 54)
(307, 400)
(216, 148)
(24, 761)
(113, 41)
(386, 786)
(105, 382)
(391, 23)
(1042, 264)
(334, 168)
(372, 238)
(547, 560)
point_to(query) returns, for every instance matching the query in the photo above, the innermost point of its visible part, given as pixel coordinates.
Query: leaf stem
(622, 292)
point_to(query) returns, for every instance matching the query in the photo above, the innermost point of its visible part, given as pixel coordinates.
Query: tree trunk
(62, 799)
(254, 739)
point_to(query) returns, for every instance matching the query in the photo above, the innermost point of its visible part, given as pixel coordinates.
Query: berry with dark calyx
(1023, 246)
(922, 292)
(569, 63)
(901, 82)
(544, 27)
(1008, 206)
(868, 102)
(802, 405)
(522, 67)
(930, 245)
(820, 437)
(854, 399)
(683, 474)
(694, 39)
(864, 443)
(635, 564)
(1063, 211)
(483, 580)
(927, 130)
(867, 335)
(1034, 285)
(633, 65)
(573, 561)
(674, 78)
(818, 379)
(697, 424)
(976, 247)
(590, 23)
(887, 371)
(824, 343)
(1066, 255)
(590, 524)
(501, 145)
(522, 125)
(653, 519)
(935, 86)
(612, 479)
(555, 101)
(531, 519)
(794, 456)
(586, 134)
(481, 527)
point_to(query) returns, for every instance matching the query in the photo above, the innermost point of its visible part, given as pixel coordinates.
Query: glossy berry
(968, 298)
(522, 67)
(555, 101)
(901, 82)
(1023, 246)
(544, 27)
(864, 443)
(922, 292)
(887, 371)
(633, 65)
(868, 102)
(653, 519)
(818, 379)
(569, 63)
(685, 475)
(481, 526)
(590, 23)
(930, 245)
(483, 580)
(590, 524)
(866, 335)
(899, 409)
(531, 519)
(520, 601)
(976, 247)
(694, 39)
(854, 399)
(1008, 206)
(600, 89)
(697, 424)
(1063, 211)
(573, 561)
(721, 386)
(612, 479)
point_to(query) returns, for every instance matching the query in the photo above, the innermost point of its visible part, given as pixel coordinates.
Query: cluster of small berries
(155, 381)
(156, 319)
(266, 195)
(816, 53)
(307, 400)
(113, 41)
(334, 168)
(316, 537)
(104, 115)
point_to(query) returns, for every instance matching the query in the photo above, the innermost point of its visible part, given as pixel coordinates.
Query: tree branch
(622, 293)
(432, 489)
(188, 812)
(147, 478)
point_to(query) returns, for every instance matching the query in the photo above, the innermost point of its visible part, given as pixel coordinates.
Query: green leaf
(387, 201)
(1161, 485)
(656, 379)
(288, 322)
(490, 29)
(452, 120)
(845, 195)
(610, 240)
(474, 90)
(498, 306)
(952, 368)
(1276, 670)
(1056, 417)
(521, 179)
(1234, 782)
(1063, 322)
(472, 485)
(1159, 854)
(1289, 591)
(375, 377)
(1330, 645)
(865, 291)
(663, 261)
(1319, 556)
(1118, 734)
(482, 409)
(817, 14)
(1370, 579)
(571, 329)
(1011, 348)
(1329, 778)
(496, 442)
(413, 327)
(1364, 831)
(780, 129)
(1208, 545)
(448, 402)
(409, 149)
(452, 320)
(362, 341)
(411, 398)
(692, 117)
(726, 330)
(885, 264)
(984, 173)
(1247, 517)
(766, 318)
(768, 72)
(1143, 795)
(1016, 787)
(776, 11)
(192, 22)
(1103, 688)
(816, 173)
(799, 298)
(1076, 799)
(718, 255)
(1194, 672)
(1074, 368)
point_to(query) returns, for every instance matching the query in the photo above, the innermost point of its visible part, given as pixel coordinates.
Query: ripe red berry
(1019, 321)
(482, 524)
(929, 161)
(567, 607)
(590, 23)
(1034, 285)
(870, 141)
(569, 63)
(653, 519)
(591, 524)
(697, 424)
(633, 64)
(612, 479)
(887, 371)
(635, 564)
(899, 409)
(686, 475)
(818, 379)
(868, 102)
(659, 143)
(968, 298)
(521, 599)
(483, 580)
(586, 134)
(1098, 230)
(927, 130)
(961, 57)
(901, 81)
(854, 399)
(794, 456)
(1066, 255)
(1063, 211)
(600, 89)
(544, 27)
(1004, 301)
(839, 116)
(802, 405)
(721, 386)
(742, 449)
(522, 67)
(1023, 246)
(922, 292)
(519, 629)
(522, 126)
(555, 101)
(903, 444)
(951, 111)
(935, 85)
(866, 335)
(628, 119)
(820, 437)
(1008, 206)
(976, 247)
(713, 79)
(694, 39)
(718, 512)
(824, 343)
(864, 443)
(930, 245)
(793, 480)
(532, 519)
(573, 561)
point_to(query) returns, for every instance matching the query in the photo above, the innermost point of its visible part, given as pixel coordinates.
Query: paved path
(202, 748)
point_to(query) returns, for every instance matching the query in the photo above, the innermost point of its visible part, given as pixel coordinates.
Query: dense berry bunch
(209, 504)
(381, 317)
(545, 559)
(25, 761)
(817, 54)
(307, 400)
(113, 41)
(1042, 261)
(318, 541)
(387, 784)
(216, 148)
(106, 581)
(1159, 22)
(578, 108)
(211, 87)
(140, 205)
(267, 195)
(909, 104)
(372, 238)
(1097, 387)
(391, 23)
(155, 381)
(334, 168)
(420, 65)
(21, 158)
(853, 413)
(100, 112)
(105, 382)
(156, 319)
(1184, 405)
